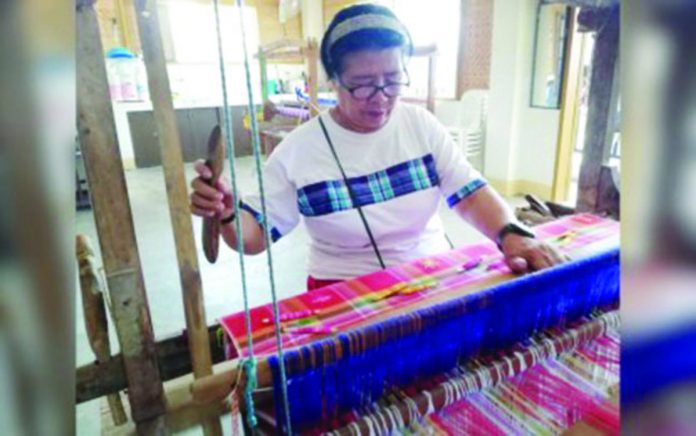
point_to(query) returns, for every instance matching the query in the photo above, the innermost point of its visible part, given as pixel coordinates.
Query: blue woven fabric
(436, 339)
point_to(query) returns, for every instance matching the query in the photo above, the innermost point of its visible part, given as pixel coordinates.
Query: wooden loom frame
(143, 365)
(292, 51)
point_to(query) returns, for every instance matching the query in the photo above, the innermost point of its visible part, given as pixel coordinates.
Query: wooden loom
(292, 51)
(274, 128)
(297, 51)
(144, 364)
(328, 331)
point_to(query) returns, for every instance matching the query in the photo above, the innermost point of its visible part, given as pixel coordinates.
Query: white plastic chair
(466, 121)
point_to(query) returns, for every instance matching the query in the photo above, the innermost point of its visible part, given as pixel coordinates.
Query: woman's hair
(361, 27)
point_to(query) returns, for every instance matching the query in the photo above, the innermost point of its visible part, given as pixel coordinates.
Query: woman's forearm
(486, 210)
(252, 234)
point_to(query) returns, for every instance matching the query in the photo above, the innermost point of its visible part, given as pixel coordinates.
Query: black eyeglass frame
(375, 88)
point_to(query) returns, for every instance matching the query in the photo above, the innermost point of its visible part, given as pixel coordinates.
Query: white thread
(431, 407)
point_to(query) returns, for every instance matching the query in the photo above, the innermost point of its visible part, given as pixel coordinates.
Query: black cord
(449, 241)
(352, 194)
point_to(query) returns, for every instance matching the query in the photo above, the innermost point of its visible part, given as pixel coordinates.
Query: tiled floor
(221, 281)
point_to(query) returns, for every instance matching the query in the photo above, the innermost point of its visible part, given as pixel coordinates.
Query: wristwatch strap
(516, 228)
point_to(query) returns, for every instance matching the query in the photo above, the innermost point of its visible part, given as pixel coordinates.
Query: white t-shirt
(398, 174)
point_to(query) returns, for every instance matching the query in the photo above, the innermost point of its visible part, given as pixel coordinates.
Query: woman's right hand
(207, 201)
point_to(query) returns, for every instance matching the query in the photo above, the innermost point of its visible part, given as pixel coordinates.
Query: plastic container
(127, 80)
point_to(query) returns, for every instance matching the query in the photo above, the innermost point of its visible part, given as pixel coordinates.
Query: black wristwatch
(229, 219)
(516, 228)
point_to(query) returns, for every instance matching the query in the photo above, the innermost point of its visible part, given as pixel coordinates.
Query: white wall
(520, 140)
(500, 131)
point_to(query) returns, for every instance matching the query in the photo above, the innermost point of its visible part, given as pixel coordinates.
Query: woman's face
(368, 68)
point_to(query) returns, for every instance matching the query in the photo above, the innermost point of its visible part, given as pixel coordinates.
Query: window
(433, 22)
(189, 33)
(550, 43)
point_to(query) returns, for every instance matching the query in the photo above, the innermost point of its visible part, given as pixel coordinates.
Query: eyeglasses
(366, 92)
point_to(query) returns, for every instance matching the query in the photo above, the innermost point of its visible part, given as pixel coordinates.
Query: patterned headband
(366, 21)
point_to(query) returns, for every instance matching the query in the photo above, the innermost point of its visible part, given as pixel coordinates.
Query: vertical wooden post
(263, 70)
(565, 140)
(461, 48)
(115, 226)
(173, 165)
(312, 57)
(126, 26)
(599, 112)
(430, 103)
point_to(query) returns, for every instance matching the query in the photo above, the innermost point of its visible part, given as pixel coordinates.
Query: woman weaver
(367, 176)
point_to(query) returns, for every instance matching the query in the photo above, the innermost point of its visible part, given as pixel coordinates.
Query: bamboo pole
(96, 321)
(114, 223)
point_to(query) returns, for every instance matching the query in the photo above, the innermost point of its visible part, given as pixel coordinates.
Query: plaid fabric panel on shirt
(258, 216)
(465, 191)
(332, 196)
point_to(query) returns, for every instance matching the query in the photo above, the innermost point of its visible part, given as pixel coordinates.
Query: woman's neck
(347, 124)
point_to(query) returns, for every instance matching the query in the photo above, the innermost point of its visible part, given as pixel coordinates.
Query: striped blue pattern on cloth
(330, 196)
(465, 191)
(258, 216)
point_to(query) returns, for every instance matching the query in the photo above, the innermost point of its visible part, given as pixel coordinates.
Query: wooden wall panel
(118, 25)
(270, 28)
(475, 36)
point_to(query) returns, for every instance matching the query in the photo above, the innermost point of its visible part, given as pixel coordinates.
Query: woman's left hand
(524, 254)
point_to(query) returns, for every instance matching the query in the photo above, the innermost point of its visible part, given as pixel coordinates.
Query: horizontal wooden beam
(102, 378)
(282, 44)
(584, 3)
(285, 57)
